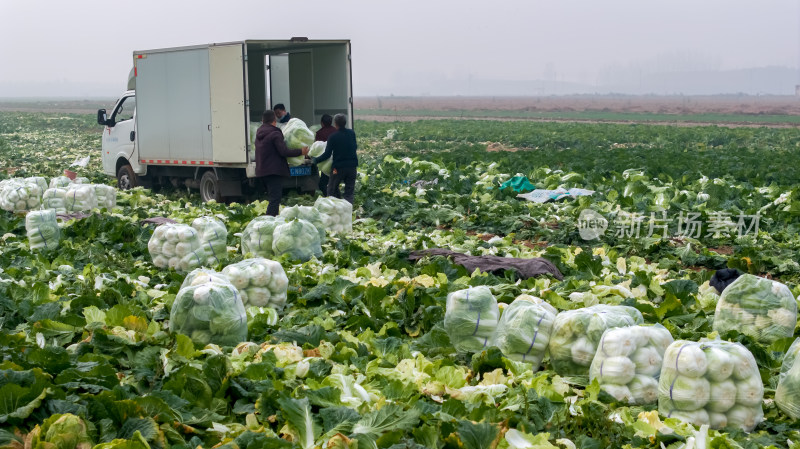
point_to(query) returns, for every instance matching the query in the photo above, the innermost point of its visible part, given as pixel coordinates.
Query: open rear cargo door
(228, 115)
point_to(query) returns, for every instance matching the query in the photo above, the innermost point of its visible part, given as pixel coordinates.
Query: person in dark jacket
(281, 114)
(322, 136)
(344, 168)
(271, 165)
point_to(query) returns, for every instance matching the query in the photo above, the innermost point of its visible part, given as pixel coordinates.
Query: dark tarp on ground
(526, 268)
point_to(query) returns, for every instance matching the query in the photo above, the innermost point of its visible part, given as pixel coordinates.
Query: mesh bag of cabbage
(106, 196)
(523, 332)
(257, 235)
(336, 214)
(38, 181)
(787, 395)
(210, 312)
(297, 238)
(55, 199)
(60, 182)
(307, 213)
(627, 363)
(711, 382)
(576, 334)
(297, 136)
(470, 318)
(80, 198)
(261, 282)
(176, 246)
(761, 308)
(213, 237)
(42, 229)
(20, 195)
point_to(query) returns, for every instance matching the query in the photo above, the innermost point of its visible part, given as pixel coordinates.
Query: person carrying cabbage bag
(281, 113)
(342, 148)
(322, 135)
(271, 165)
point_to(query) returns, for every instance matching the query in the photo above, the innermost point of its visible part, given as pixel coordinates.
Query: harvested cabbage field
(117, 331)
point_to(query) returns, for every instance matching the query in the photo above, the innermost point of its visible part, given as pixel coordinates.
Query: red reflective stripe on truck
(159, 161)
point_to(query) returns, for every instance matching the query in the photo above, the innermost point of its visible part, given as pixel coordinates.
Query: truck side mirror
(101, 117)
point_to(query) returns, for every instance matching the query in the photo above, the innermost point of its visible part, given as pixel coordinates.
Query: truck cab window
(124, 110)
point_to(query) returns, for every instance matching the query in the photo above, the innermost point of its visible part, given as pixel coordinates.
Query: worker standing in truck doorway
(322, 136)
(271, 164)
(344, 168)
(281, 113)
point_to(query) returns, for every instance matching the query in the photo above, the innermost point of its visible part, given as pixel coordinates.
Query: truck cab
(189, 114)
(119, 141)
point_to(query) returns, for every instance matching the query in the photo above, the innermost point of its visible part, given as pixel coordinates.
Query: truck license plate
(300, 171)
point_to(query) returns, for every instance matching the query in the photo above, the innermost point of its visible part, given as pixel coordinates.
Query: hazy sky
(84, 47)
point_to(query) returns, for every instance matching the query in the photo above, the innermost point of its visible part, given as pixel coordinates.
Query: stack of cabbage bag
(214, 238)
(576, 334)
(257, 235)
(80, 198)
(761, 308)
(298, 238)
(42, 229)
(307, 213)
(471, 318)
(176, 246)
(60, 182)
(787, 395)
(21, 194)
(261, 282)
(524, 330)
(711, 382)
(209, 310)
(106, 196)
(297, 136)
(628, 362)
(336, 214)
(317, 149)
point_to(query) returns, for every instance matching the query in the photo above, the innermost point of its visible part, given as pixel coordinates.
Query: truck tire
(209, 188)
(126, 178)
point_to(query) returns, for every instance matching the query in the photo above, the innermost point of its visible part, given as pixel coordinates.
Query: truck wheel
(209, 190)
(126, 178)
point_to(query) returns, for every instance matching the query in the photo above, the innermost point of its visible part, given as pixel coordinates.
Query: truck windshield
(124, 110)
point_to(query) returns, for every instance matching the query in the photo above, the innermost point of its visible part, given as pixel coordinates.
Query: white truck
(188, 113)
